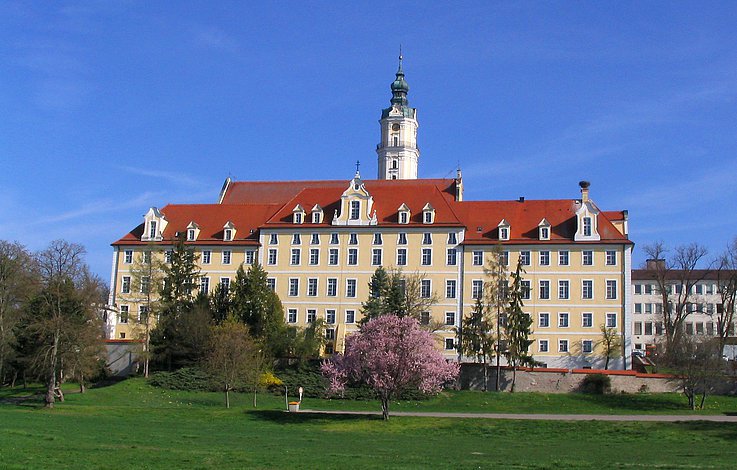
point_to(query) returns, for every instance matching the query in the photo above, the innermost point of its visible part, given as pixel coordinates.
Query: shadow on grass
(632, 402)
(283, 417)
(726, 431)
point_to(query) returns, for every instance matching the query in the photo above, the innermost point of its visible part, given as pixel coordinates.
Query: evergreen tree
(377, 304)
(478, 337)
(518, 326)
(220, 300)
(178, 338)
(256, 305)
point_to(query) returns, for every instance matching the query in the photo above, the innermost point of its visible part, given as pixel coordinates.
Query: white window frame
(564, 320)
(590, 289)
(564, 258)
(543, 320)
(293, 287)
(128, 256)
(312, 285)
(331, 288)
(590, 321)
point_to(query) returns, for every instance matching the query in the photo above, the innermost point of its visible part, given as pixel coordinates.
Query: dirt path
(548, 417)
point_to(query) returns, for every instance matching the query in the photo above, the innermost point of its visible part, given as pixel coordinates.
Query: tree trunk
(255, 389)
(227, 398)
(606, 365)
(486, 376)
(514, 378)
(51, 382)
(385, 408)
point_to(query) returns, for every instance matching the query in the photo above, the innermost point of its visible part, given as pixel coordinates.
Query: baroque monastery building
(321, 241)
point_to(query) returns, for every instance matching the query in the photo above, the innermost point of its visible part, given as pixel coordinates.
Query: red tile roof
(482, 218)
(254, 205)
(211, 218)
(388, 195)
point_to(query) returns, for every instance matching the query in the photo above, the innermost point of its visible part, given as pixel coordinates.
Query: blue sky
(108, 108)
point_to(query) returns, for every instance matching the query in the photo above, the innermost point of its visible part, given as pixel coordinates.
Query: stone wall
(569, 380)
(122, 356)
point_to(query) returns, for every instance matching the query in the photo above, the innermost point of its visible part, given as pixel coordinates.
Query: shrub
(598, 384)
(270, 381)
(186, 378)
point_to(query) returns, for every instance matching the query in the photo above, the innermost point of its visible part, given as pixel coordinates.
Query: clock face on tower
(395, 127)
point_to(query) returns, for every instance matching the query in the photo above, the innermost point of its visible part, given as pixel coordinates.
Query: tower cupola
(398, 153)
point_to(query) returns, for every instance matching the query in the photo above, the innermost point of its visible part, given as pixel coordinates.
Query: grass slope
(133, 425)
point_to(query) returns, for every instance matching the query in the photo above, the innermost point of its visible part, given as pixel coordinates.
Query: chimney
(584, 191)
(655, 264)
(459, 185)
(521, 199)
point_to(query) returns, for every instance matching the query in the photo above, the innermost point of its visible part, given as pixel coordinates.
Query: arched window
(395, 165)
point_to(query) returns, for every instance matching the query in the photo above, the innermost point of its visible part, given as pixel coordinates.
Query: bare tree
(698, 365)
(147, 275)
(17, 281)
(234, 357)
(675, 278)
(726, 274)
(611, 343)
(63, 311)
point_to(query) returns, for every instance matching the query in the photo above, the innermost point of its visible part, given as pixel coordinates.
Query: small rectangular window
(250, 257)
(226, 257)
(296, 257)
(563, 290)
(452, 257)
(544, 258)
(611, 289)
(587, 226)
(126, 285)
(353, 239)
(205, 285)
(543, 345)
(587, 258)
(563, 258)
(544, 290)
(315, 239)
(352, 256)
(292, 315)
(272, 257)
(333, 238)
(293, 287)
(525, 257)
(426, 238)
(271, 283)
(587, 289)
(563, 345)
(402, 238)
(638, 289)
(333, 257)
(450, 289)
(123, 318)
(228, 235)
(449, 344)
(526, 289)
(425, 289)
(311, 315)
(355, 210)
(452, 239)
(296, 239)
(273, 240)
(587, 320)
(611, 258)
(376, 257)
(478, 258)
(477, 289)
(350, 316)
(562, 320)
(424, 318)
(428, 217)
(611, 320)
(544, 320)
(377, 239)
(314, 256)
(427, 256)
(401, 256)
(128, 256)
(504, 258)
(587, 346)
(350, 288)
(312, 287)
(332, 289)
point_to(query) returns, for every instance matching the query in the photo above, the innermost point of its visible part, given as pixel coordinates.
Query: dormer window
(587, 226)
(298, 214)
(316, 217)
(355, 210)
(190, 234)
(503, 230)
(544, 229)
(428, 214)
(154, 225)
(404, 214)
(229, 232)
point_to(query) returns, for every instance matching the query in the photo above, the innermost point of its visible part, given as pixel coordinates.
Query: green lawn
(134, 425)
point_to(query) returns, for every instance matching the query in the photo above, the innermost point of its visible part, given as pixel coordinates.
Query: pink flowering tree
(390, 355)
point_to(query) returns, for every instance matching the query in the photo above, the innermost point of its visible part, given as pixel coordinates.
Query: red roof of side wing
(210, 218)
(483, 217)
(271, 192)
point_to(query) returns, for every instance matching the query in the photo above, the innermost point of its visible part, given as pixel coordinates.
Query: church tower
(398, 152)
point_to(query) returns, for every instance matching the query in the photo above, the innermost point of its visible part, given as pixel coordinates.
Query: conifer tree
(478, 337)
(518, 326)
